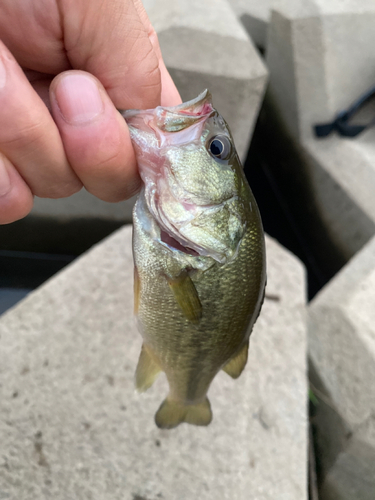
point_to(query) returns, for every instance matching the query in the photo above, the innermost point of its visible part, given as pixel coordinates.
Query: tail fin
(172, 413)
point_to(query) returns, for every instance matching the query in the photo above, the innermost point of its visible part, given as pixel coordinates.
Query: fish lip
(204, 97)
(162, 117)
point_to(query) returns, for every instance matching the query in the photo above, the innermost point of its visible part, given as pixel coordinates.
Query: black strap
(340, 123)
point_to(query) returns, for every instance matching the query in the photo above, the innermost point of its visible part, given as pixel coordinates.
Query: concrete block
(255, 17)
(83, 205)
(72, 426)
(342, 350)
(342, 174)
(320, 59)
(10, 296)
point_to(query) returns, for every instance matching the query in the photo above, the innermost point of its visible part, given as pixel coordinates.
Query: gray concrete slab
(342, 173)
(10, 296)
(255, 17)
(342, 351)
(320, 59)
(72, 426)
(83, 205)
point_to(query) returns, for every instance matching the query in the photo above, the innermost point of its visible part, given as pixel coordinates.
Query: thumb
(112, 41)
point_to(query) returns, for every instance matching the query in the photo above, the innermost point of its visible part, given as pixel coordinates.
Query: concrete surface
(320, 59)
(10, 296)
(72, 426)
(83, 205)
(342, 173)
(204, 46)
(342, 350)
(255, 16)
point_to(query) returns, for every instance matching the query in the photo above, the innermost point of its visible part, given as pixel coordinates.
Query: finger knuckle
(58, 190)
(25, 135)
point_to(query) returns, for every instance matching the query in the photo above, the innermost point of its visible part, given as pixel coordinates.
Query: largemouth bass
(199, 255)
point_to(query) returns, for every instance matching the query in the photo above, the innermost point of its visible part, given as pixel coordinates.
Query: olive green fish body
(199, 258)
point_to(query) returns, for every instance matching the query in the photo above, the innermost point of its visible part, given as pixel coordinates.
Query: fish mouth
(176, 245)
(175, 118)
(171, 239)
(171, 236)
(194, 233)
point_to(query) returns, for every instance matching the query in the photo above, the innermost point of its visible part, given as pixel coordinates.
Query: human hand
(106, 55)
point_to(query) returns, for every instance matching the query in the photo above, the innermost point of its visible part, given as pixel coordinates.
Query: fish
(199, 255)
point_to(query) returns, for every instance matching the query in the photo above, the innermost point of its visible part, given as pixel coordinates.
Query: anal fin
(186, 296)
(172, 413)
(235, 366)
(147, 370)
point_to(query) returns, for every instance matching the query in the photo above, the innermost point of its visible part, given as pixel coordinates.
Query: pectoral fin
(235, 366)
(186, 296)
(147, 370)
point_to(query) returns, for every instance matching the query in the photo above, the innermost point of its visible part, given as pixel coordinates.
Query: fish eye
(220, 147)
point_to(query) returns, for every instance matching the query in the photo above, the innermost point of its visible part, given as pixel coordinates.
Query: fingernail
(78, 98)
(3, 74)
(4, 179)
